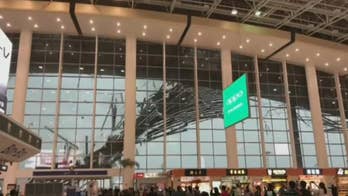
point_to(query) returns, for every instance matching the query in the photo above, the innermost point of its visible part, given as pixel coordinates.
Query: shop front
(342, 181)
(276, 177)
(235, 177)
(148, 180)
(312, 176)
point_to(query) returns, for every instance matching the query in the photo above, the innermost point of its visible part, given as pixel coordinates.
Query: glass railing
(14, 129)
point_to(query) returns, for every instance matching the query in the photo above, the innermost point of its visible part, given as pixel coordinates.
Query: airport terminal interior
(138, 97)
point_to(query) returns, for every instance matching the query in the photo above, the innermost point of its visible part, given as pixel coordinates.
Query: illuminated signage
(276, 172)
(5, 62)
(342, 172)
(236, 102)
(236, 172)
(195, 172)
(313, 171)
(139, 175)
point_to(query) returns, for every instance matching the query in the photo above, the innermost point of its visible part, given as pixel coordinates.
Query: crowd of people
(290, 189)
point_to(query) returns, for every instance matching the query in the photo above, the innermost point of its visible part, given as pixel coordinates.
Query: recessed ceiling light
(247, 40)
(326, 64)
(287, 55)
(296, 50)
(218, 43)
(36, 26)
(81, 68)
(270, 44)
(223, 36)
(118, 31)
(92, 29)
(118, 24)
(40, 67)
(30, 18)
(345, 69)
(199, 33)
(62, 27)
(58, 19)
(338, 59)
(195, 40)
(91, 21)
(171, 30)
(145, 26)
(122, 70)
(8, 24)
(262, 50)
(101, 69)
(168, 36)
(318, 54)
(1, 17)
(143, 34)
(258, 13)
(240, 46)
(234, 12)
(307, 59)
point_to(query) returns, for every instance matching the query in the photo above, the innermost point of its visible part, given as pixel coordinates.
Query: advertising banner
(5, 62)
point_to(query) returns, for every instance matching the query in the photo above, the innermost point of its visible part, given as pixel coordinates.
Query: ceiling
(325, 19)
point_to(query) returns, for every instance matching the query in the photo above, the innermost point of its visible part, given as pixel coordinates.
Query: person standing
(303, 189)
(322, 189)
(291, 191)
(224, 191)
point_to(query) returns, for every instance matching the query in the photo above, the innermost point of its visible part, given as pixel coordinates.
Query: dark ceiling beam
(213, 7)
(172, 6)
(73, 16)
(322, 26)
(298, 12)
(188, 25)
(292, 40)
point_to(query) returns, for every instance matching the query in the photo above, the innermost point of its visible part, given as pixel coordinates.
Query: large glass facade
(274, 112)
(212, 132)
(40, 107)
(301, 117)
(149, 96)
(331, 120)
(248, 131)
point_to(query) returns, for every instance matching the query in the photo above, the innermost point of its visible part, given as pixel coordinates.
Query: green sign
(236, 101)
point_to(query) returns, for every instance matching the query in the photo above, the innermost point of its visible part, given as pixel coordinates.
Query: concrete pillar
(164, 108)
(288, 107)
(342, 113)
(94, 102)
(198, 130)
(130, 110)
(231, 138)
(317, 121)
(20, 94)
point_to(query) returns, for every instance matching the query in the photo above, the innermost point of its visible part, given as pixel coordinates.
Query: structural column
(341, 109)
(288, 106)
(130, 110)
(198, 132)
(164, 108)
(230, 132)
(20, 93)
(317, 121)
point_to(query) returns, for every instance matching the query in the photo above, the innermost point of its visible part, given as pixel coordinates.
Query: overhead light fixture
(171, 30)
(30, 18)
(199, 33)
(270, 44)
(91, 21)
(1, 17)
(143, 34)
(223, 36)
(122, 70)
(118, 31)
(345, 69)
(101, 69)
(40, 67)
(296, 50)
(81, 68)
(258, 13)
(168, 36)
(240, 46)
(247, 40)
(287, 55)
(118, 24)
(234, 11)
(307, 59)
(262, 50)
(145, 26)
(195, 40)
(62, 27)
(338, 59)
(318, 54)
(58, 19)
(8, 24)
(92, 29)
(326, 64)
(218, 43)
(36, 26)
